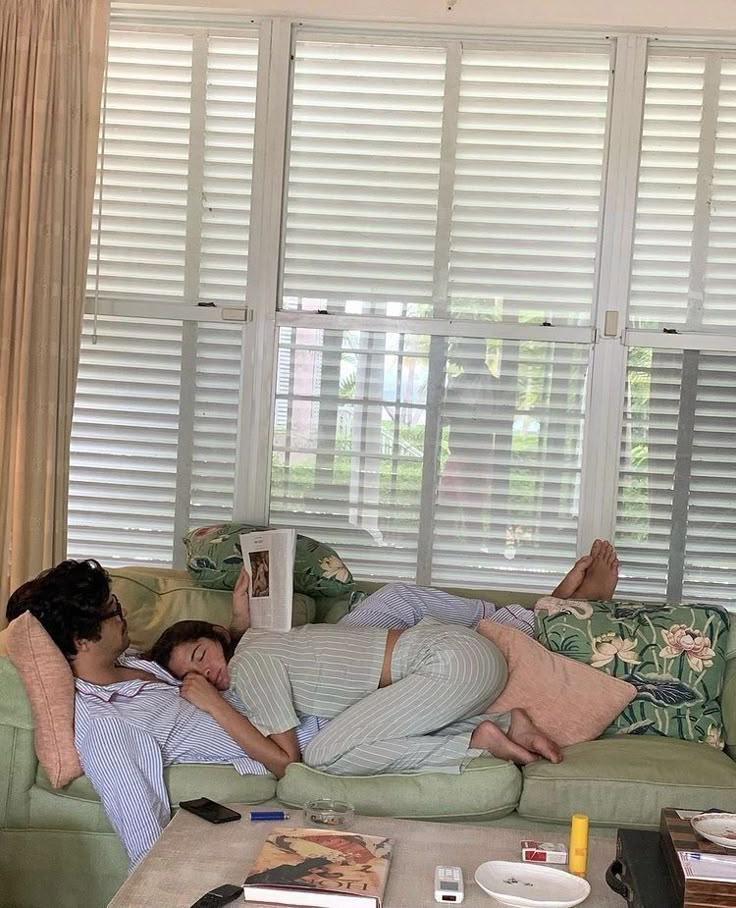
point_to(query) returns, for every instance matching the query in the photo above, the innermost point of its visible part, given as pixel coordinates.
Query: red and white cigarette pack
(543, 852)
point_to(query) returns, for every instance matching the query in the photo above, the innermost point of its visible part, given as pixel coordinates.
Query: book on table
(268, 556)
(320, 868)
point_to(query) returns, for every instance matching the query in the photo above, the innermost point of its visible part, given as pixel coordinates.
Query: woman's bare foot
(572, 580)
(525, 733)
(602, 575)
(490, 737)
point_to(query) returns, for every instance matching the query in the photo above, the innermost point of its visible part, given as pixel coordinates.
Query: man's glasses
(117, 611)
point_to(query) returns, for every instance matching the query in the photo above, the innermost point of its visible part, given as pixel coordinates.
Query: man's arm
(125, 767)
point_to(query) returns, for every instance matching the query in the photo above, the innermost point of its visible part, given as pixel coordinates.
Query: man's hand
(240, 619)
(198, 691)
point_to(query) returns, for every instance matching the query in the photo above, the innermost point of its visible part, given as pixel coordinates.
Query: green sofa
(57, 848)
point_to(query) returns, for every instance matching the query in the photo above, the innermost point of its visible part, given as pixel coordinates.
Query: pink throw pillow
(567, 700)
(49, 683)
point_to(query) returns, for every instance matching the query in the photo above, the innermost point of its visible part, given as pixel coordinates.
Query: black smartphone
(210, 810)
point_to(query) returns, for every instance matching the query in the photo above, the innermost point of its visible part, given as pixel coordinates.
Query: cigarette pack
(543, 852)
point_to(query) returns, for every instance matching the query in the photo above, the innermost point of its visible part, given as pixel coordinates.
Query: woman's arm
(276, 752)
(240, 616)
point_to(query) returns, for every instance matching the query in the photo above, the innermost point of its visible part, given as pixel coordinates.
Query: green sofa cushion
(674, 656)
(214, 559)
(626, 781)
(77, 806)
(487, 789)
(154, 600)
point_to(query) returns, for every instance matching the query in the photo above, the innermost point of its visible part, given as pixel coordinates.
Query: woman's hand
(198, 691)
(240, 618)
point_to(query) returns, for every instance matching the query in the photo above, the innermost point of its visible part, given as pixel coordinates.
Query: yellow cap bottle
(578, 860)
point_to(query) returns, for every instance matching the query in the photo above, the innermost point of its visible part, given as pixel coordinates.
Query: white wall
(692, 16)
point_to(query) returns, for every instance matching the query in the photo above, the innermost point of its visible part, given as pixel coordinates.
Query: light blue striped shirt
(126, 733)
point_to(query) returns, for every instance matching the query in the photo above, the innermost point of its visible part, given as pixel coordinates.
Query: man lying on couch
(130, 719)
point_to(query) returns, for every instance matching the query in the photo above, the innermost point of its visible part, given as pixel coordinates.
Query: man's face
(114, 638)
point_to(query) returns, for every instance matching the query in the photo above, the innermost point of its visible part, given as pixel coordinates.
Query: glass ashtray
(326, 812)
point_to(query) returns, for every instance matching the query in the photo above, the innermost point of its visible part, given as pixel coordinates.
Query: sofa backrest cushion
(154, 599)
(214, 559)
(49, 683)
(568, 701)
(673, 654)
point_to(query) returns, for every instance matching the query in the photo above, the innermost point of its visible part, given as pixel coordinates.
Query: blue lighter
(268, 815)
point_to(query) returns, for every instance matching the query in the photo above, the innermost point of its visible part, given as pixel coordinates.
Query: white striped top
(316, 669)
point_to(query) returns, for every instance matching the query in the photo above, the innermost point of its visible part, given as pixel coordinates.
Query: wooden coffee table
(193, 856)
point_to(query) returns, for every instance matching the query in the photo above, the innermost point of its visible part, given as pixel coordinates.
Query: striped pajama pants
(399, 605)
(443, 677)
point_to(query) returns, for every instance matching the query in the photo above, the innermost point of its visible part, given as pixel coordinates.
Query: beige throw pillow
(49, 683)
(568, 701)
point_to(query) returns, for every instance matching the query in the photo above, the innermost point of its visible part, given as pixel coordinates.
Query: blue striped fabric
(126, 733)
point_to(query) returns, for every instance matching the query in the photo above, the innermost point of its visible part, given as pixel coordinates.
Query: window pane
(527, 202)
(124, 442)
(153, 438)
(385, 443)
(364, 161)
(676, 529)
(685, 239)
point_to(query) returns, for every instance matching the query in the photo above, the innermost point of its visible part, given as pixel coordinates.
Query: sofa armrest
(18, 763)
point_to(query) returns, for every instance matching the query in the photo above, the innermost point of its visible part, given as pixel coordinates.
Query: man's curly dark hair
(70, 600)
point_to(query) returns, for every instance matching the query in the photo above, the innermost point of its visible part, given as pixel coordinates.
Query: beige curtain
(52, 55)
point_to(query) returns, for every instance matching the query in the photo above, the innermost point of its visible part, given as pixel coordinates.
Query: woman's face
(203, 656)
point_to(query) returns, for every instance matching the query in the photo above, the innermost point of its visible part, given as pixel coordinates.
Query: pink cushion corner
(569, 701)
(49, 683)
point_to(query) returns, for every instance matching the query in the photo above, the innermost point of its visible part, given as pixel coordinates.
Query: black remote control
(223, 895)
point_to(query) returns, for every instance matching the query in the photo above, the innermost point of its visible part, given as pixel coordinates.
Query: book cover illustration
(315, 859)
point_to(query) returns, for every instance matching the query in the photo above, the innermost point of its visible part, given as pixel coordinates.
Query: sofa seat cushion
(77, 806)
(487, 789)
(626, 781)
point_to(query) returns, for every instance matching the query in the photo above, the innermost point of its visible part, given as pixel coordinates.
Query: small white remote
(448, 884)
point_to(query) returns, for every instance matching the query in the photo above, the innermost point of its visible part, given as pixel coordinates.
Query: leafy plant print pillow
(673, 654)
(214, 559)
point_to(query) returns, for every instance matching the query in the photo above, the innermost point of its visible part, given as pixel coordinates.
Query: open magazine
(268, 556)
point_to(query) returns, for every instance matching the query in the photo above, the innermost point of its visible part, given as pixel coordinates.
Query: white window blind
(683, 274)
(364, 162)
(675, 525)
(154, 435)
(528, 177)
(439, 181)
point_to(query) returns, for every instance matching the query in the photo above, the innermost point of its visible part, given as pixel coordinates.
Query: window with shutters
(153, 447)
(491, 285)
(463, 185)
(676, 524)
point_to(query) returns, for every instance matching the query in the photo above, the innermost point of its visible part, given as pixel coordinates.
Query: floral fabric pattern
(673, 655)
(214, 559)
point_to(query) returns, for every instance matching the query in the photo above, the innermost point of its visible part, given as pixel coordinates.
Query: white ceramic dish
(530, 885)
(719, 828)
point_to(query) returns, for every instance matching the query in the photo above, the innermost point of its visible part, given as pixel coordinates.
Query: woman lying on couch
(398, 699)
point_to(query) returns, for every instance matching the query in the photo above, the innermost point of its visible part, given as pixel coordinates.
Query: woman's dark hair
(70, 600)
(184, 632)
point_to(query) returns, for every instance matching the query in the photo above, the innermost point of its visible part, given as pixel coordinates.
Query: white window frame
(608, 337)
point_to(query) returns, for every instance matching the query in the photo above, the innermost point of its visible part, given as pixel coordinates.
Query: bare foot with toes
(491, 738)
(601, 576)
(525, 733)
(572, 580)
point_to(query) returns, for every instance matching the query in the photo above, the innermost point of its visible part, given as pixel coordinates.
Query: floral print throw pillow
(674, 655)
(214, 559)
